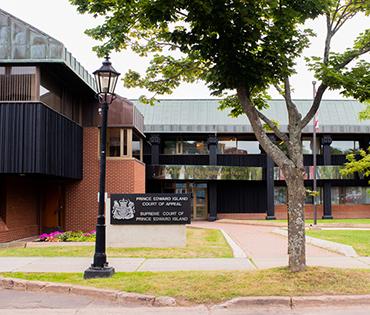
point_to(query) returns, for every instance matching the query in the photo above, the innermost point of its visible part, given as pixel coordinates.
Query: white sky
(60, 20)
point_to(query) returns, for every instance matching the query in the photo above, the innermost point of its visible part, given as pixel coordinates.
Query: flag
(316, 122)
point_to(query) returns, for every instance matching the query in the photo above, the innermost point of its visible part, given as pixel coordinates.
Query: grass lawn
(201, 243)
(336, 221)
(212, 286)
(359, 240)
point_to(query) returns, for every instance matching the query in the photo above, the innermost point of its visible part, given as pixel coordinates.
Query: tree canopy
(240, 48)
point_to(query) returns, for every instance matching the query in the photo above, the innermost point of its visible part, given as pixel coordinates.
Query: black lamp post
(106, 79)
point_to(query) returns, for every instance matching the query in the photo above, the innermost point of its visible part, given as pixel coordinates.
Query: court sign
(150, 208)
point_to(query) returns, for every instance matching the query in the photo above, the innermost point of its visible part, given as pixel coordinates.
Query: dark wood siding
(184, 159)
(241, 197)
(36, 140)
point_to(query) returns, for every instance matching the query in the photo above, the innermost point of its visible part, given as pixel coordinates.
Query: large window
(350, 195)
(124, 143)
(281, 196)
(344, 147)
(18, 83)
(191, 147)
(235, 146)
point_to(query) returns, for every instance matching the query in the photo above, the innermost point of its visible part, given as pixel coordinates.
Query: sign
(150, 208)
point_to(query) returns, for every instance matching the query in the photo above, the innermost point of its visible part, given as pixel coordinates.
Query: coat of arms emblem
(123, 209)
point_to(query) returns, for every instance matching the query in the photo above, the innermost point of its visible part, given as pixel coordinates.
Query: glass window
(307, 147)
(234, 146)
(227, 146)
(350, 195)
(114, 142)
(191, 147)
(169, 147)
(136, 147)
(344, 147)
(121, 142)
(248, 147)
(194, 147)
(280, 195)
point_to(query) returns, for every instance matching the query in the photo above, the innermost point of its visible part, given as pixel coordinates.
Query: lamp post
(106, 79)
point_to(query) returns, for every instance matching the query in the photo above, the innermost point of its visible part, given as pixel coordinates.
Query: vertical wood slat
(36, 140)
(17, 84)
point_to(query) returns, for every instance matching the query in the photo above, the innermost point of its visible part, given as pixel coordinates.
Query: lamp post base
(98, 272)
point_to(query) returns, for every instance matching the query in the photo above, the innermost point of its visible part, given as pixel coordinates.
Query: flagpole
(314, 158)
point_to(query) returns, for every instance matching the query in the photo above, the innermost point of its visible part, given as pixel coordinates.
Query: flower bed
(69, 236)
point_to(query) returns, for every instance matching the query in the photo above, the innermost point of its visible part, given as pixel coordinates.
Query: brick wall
(22, 209)
(361, 211)
(122, 176)
(338, 211)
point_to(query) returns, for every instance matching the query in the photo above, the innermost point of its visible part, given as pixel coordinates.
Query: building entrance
(53, 210)
(200, 197)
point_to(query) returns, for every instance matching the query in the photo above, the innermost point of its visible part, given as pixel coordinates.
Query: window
(235, 146)
(18, 83)
(169, 147)
(344, 147)
(114, 142)
(350, 195)
(280, 195)
(190, 147)
(137, 147)
(122, 142)
(193, 147)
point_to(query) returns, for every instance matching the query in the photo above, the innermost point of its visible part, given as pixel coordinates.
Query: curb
(345, 250)
(114, 296)
(237, 250)
(127, 298)
(295, 301)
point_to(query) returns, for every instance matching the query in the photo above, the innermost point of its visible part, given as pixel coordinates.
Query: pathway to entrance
(266, 249)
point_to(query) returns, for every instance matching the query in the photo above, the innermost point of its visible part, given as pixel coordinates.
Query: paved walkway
(266, 249)
(263, 249)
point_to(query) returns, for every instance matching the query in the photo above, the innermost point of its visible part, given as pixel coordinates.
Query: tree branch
(315, 105)
(270, 148)
(282, 136)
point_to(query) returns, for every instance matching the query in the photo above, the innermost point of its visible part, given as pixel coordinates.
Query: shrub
(69, 236)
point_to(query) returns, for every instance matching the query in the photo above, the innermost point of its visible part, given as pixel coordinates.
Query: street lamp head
(106, 80)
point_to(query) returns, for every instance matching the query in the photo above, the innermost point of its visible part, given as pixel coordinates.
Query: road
(14, 302)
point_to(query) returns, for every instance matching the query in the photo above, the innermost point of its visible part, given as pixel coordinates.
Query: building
(49, 147)
(194, 147)
(49, 136)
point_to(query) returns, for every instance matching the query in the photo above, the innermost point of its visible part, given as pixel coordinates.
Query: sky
(59, 19)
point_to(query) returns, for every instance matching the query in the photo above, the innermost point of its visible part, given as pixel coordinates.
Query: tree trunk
(296, 226)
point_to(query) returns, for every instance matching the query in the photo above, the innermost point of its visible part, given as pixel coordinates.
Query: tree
(243, 47)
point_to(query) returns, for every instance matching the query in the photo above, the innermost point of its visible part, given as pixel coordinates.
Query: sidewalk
(79, 264)
(263, 250)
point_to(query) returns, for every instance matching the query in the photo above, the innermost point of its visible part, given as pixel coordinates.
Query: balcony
(35, 139)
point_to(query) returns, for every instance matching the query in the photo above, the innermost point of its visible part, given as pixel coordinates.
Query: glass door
(200, 201)
(200, 196)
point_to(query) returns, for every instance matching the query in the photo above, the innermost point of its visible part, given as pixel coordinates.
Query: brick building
(49, 147)
(49, 137)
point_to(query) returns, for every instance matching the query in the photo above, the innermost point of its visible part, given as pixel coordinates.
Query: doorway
(200, 201)
(199, 192)
(53, 209)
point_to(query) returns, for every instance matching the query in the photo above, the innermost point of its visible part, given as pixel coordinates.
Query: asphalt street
(14, 302)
